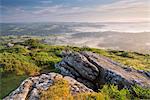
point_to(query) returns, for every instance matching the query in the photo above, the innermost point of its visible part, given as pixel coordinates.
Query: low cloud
(46, 1)
(133, 10)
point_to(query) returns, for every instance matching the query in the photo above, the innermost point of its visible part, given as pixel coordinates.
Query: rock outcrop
(94, 70)
(31, 87)
(85, 72)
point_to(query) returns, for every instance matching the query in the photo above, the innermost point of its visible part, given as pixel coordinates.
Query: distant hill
(117, 36)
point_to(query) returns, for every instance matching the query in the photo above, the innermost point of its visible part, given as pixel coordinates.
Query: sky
(75, 11)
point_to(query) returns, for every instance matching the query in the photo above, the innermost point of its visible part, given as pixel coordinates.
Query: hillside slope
(31, 58)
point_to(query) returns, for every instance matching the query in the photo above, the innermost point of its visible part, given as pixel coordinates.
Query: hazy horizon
(78, 22)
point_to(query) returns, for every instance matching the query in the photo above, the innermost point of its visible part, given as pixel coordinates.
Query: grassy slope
(10, 83)
(131, 59)
(43, 57)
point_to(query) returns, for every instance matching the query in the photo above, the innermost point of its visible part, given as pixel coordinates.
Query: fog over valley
(120, 36)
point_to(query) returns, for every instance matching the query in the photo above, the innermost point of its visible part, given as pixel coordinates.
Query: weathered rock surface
(94, 70)
(31, 87)
(85, 72)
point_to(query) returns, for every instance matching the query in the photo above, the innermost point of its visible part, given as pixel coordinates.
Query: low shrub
(142, 93)
(17, 64)
(15, 49)
(112, 92)
(44, 59)
(89, 96)
(61, 91)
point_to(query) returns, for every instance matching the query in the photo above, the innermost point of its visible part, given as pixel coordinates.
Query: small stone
(10, 44)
